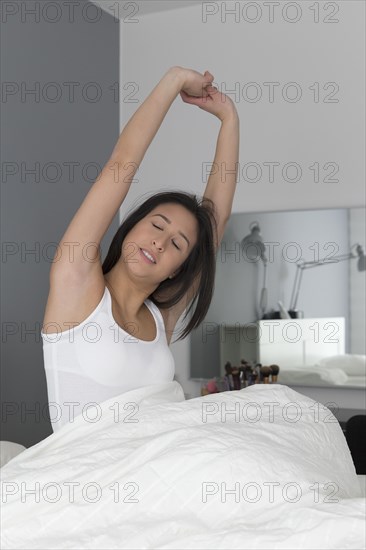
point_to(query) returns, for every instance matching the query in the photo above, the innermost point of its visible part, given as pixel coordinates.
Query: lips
(145, 257)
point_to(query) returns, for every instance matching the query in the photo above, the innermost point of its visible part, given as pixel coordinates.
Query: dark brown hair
(201, 260)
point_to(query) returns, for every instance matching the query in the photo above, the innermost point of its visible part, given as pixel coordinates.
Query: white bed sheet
(176, 462)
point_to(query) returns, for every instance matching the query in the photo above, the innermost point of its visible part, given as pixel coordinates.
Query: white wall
(237, 52)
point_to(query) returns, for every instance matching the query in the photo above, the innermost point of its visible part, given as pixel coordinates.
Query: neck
(129, 294)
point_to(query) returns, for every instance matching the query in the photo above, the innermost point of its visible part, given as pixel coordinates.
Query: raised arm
(221, 184)
(105, 197)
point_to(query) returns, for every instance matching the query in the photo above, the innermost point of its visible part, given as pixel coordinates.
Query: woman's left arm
(222, 181)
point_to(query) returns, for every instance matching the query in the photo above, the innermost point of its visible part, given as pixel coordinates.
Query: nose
(158, 244)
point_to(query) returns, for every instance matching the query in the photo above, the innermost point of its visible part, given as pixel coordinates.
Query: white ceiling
(143, 6)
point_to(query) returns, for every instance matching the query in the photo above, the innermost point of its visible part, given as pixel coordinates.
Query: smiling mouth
(147, 257)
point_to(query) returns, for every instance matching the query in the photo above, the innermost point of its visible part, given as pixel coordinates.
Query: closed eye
(162, 230)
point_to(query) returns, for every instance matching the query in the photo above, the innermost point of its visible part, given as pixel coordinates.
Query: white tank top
(97, 360)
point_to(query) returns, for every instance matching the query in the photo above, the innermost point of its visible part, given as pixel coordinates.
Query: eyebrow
(169, 221)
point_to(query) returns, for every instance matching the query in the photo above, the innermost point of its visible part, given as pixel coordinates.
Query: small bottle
(265, 372)
(275, 369)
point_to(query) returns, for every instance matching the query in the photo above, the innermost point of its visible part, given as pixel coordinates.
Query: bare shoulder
(72, 299)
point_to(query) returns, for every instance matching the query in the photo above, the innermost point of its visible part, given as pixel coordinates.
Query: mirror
(330, 290)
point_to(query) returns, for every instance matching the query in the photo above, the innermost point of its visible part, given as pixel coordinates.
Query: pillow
(9, 450)
(362, 480)
(352, 365)
(311, 375)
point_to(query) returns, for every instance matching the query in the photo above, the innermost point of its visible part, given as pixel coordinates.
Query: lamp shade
(361, 262)
(252, 245)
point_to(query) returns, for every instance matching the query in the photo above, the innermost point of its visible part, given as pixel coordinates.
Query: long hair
(200, 262)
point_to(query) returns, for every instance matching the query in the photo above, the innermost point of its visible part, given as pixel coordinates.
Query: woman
(114, 322)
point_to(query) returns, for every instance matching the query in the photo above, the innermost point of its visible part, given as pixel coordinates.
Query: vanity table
(295, 345)
(298, 345)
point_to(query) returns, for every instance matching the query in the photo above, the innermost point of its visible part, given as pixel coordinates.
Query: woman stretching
(107, 327)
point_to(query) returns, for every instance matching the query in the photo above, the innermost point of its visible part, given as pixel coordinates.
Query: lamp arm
(295, 289)
(317, 263)
(264, 293)
(307, 265)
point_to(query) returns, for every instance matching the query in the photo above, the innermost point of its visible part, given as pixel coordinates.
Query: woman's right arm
(144, 124)
(106, 195)
(142, 127)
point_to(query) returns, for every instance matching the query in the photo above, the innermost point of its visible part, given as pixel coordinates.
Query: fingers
(191, 100)
(208, 77)
(186, 98)
(210, 91)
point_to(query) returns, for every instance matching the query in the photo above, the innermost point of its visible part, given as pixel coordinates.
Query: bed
(263, 467)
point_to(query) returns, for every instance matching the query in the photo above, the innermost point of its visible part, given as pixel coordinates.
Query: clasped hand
(197, 90)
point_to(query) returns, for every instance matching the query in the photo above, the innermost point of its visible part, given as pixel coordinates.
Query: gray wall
(36, 210)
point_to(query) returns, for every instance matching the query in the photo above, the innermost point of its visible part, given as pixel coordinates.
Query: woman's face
(168, 233)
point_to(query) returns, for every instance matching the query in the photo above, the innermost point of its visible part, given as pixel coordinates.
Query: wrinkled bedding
(264, 467)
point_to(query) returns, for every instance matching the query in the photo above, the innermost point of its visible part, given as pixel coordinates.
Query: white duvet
(260, 468)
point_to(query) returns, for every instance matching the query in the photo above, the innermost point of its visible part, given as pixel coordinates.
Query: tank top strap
(156, 313)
